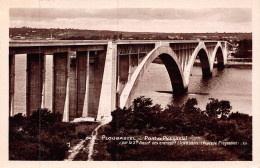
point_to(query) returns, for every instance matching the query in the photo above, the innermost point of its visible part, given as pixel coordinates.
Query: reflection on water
(226, 84)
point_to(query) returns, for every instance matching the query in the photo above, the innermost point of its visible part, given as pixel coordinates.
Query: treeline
(216, 123)
(244, 49)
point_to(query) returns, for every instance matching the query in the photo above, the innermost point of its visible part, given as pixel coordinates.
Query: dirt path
(84, 149)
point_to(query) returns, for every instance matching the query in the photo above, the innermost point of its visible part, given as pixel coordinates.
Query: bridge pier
(82, 64)
(108, 89)
(11, 83)
(124, 69)
(179, 90)
(96, 72)
(61, 66)
(129, 67)
(43, 81)
(34, 88)
(73, 88)
(206, 74)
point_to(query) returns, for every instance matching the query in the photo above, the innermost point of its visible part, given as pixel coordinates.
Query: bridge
(91, 78)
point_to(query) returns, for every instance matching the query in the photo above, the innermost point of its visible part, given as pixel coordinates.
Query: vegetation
(216, 123)
(244, 49)
(43, 136)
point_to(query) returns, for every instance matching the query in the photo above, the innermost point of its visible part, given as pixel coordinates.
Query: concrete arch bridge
(89, 79)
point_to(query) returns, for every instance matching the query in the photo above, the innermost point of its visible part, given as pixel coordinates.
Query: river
(232, 84)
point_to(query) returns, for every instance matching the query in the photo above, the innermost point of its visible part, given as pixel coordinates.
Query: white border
(4, 31)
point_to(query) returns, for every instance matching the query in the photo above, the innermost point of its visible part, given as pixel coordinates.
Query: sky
(136, 19)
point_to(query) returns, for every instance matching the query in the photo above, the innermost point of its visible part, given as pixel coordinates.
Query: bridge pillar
(187, 56)
(48, 82)
(11, 84)
(34, 82)
(207, 74)
(124, 69)
(61, 63)
(138, 56)
(190, 51)
(96, 73)
(129, 67)
(182, 58)
(20, 84)
(66, 106)
(133, 63)
(225, 54)
(43, 81)
(107, 101)
(73, 88)
(82, 83)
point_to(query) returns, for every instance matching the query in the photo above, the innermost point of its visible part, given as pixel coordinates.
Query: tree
(216, 108)
(244, 49)
(120, 36)
(115, 37)
(135, 119)
(189, 106)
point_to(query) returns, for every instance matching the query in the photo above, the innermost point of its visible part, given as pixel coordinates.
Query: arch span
(205, 61)
(219, 55)
(172, 65)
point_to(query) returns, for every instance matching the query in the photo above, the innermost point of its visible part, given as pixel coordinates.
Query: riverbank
(238, 65)
(230, 64)
(241, 65)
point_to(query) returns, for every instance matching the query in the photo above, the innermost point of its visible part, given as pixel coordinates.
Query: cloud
(56, 13)
(139, 17)
(236, 15)
(227, 14)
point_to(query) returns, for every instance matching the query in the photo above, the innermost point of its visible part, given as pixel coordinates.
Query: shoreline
(238, 65)
(228, 65)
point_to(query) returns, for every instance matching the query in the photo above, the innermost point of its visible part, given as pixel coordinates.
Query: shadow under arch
(220, 58)
(205, 63)
(174, 74)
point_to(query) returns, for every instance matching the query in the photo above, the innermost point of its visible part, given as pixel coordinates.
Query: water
(232, 84)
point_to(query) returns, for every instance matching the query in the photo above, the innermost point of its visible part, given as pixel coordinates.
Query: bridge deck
(37, 43)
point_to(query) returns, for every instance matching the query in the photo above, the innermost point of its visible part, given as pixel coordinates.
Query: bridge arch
(171, 62)
(205, 61)
(218, 55)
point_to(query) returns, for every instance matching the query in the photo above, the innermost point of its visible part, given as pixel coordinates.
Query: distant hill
(27, 33)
